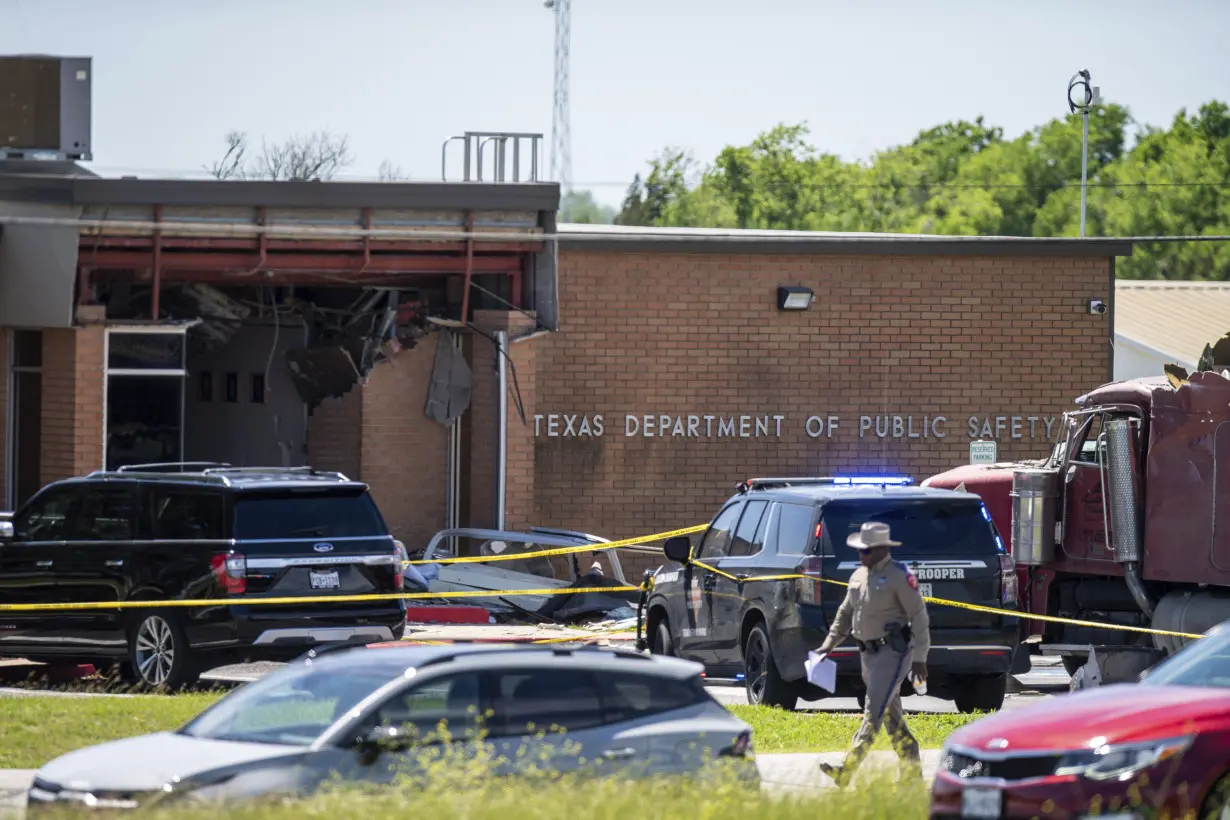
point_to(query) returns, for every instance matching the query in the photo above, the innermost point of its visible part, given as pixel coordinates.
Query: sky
(398, 77)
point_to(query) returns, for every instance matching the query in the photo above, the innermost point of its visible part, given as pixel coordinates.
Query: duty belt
(873, 645)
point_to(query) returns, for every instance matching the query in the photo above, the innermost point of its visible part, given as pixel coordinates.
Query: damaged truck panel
(1128, 521)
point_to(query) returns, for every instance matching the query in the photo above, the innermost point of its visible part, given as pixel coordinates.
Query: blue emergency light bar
(832, 481)
(874, 480)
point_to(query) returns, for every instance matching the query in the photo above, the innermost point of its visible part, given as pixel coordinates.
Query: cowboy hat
(873, 534)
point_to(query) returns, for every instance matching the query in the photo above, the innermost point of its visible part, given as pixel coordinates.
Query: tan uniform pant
(883, 673)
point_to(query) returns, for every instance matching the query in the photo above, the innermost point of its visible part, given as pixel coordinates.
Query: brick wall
(519, 497)
(74, 390)
(333, 434)
(699, 335)
(404, 453)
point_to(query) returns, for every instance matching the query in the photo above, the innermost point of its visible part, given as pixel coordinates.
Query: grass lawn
(37, 729)
(775, 730)
(478, 798)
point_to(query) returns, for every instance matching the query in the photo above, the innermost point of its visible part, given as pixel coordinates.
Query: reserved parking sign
(983, 452)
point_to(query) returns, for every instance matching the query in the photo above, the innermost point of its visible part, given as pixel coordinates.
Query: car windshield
(948, 528)
(1205, 662)
(292, 706)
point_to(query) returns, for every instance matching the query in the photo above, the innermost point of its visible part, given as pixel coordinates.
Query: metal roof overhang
(274, 245)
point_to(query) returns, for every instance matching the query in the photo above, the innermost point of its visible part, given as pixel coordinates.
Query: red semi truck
(1127, 521)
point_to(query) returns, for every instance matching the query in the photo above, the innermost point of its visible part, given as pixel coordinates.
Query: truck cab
(1125, 523)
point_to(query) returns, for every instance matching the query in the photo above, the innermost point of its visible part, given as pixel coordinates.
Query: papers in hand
(821, 671)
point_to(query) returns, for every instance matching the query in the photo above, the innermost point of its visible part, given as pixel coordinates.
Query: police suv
(761, 631)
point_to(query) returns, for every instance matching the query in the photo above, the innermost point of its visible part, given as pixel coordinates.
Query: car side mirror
(678, 549)
(6, 530)
(384, 739)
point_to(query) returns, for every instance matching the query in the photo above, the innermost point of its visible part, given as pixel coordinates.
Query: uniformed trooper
(887, 615)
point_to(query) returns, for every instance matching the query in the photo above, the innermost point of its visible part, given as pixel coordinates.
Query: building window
(258, 388)
(25, 413)
(145, 395)
(232, 387)
(205, 386)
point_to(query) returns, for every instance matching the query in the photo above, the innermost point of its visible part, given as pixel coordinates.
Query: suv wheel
(662, 643)
(765, 686)
(159, 653)
(981, 694)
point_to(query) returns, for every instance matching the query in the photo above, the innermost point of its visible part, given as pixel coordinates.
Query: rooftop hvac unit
(45, 108)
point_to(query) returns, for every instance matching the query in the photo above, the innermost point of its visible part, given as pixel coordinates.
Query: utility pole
(561, 129)
(1090, 97)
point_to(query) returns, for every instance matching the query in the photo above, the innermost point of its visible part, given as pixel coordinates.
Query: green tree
(579, 207)
(965, 178)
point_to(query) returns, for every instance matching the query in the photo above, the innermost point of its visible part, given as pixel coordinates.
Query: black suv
(167, 532)
(762, 630)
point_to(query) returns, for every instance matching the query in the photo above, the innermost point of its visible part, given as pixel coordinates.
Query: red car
(1154, 750)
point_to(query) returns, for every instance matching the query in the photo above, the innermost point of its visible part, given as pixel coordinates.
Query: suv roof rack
(195, 478)
(210, 472)
(312, 471)
(824, 481)
(157, 466)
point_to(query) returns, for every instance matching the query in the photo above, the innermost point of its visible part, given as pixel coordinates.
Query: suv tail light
(231, 572)
(1008, 580)
(810, 590)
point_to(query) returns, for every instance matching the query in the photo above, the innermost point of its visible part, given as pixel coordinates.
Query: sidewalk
(785, 773)
(779, 773)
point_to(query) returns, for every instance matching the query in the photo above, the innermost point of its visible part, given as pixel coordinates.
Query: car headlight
(1120, 762)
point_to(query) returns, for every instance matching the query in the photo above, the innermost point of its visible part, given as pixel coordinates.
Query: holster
(897, 639)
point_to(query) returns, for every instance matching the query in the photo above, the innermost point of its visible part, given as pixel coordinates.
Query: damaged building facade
(362, 327)
(478, 366)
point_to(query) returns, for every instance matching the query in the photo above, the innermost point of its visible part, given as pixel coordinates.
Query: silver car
(366, 715)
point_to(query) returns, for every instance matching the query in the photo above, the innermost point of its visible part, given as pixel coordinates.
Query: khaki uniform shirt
(884, 594)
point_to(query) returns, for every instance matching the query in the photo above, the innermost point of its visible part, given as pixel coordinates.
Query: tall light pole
(561, 126)
(1090, 96)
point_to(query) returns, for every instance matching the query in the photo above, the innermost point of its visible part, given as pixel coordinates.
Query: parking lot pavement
(785, 773)
(735, 695)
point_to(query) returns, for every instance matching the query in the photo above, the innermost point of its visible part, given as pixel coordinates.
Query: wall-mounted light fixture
(794, 298)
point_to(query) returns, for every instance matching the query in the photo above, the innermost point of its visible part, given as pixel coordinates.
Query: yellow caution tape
(600, 547)
(316, 599)
(608, 545)
(1011, 613)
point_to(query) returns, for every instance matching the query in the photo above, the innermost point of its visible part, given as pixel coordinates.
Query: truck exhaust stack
(1124, 531)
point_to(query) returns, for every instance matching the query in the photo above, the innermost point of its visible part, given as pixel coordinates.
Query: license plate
(925, 589)
(982, 803)
(325, 580)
